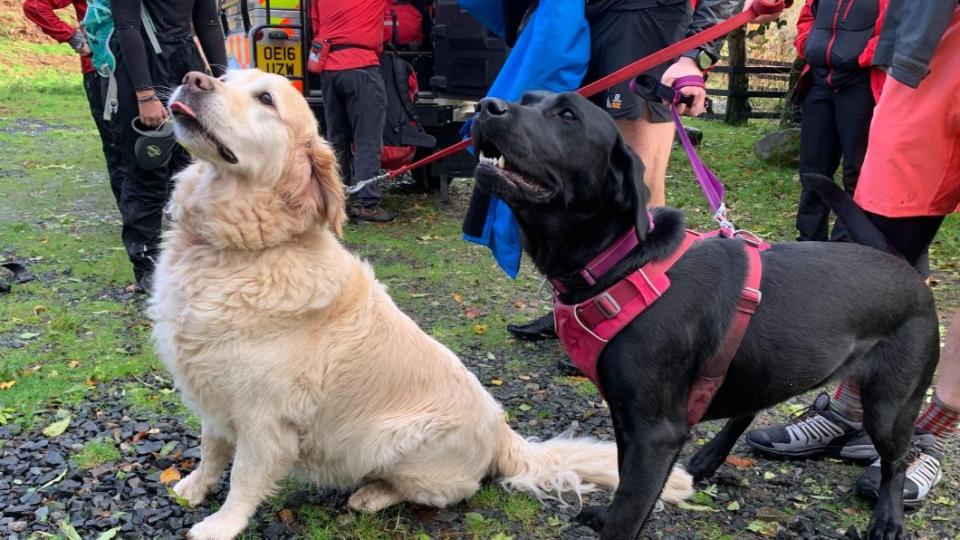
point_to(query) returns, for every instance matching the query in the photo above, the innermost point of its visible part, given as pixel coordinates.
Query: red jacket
(805, 25)
(41, 12)
(358, 23)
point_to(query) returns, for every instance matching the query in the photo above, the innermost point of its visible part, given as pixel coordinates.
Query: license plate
(280, 59)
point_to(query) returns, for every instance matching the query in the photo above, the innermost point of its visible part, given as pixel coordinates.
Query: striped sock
(846, 402)
(940, 420)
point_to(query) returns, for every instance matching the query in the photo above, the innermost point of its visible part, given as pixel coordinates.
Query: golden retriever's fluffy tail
(566, 464)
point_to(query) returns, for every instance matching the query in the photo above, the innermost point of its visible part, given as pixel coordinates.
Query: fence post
(738, 83)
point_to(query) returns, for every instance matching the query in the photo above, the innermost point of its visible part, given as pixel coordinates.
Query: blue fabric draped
(551, 53)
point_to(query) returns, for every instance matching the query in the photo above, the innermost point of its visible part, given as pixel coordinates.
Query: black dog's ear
(632, 192)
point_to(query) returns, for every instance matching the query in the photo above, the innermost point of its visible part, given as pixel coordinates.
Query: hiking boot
(535, 330)
(923, 473)
(817, 431)
(145, 283)
(374, 214)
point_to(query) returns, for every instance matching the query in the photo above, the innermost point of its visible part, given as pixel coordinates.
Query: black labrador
(828, 310)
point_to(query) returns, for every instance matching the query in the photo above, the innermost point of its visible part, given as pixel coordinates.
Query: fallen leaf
(37, 310)
(54, 481)
(524, 407)
(763, 528)
(109, 533)
(74, 364)
(769, 475)
(28, 335)
(684, 505)
(167, 448)
(68, 531)
(496, 382)
(520, 304)
(7, 385)
(480, 329)
(457, 298)
(57, 428)
(733, 506)
(181, 501)
(137, 436)
(491, 356)
(285, 515)
(170, 475)
(472, 313)
(523, 377)
(741, 462)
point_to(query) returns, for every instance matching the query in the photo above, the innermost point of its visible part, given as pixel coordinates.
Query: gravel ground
(43, 484)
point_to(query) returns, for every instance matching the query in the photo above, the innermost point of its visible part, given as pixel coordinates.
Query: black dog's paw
(594, 517)
(886, 527)
(704, 464)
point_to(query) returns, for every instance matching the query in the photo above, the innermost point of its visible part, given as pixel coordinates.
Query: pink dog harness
(585, 329)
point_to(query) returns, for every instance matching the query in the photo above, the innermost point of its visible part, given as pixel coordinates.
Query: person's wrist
(687, 61)
(77, 41)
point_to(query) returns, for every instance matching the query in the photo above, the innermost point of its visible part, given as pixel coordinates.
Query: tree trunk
(738, 106)
(791, 106)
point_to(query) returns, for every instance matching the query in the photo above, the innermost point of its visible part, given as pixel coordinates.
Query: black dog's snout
(493, 107)
(195, 80)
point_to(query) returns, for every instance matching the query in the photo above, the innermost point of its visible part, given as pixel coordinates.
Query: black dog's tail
(853, 218)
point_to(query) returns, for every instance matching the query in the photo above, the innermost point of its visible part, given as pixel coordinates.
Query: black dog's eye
(567, 114)
(266, 99)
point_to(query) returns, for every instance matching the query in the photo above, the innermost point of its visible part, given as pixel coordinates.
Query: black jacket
(911, 31)
(840, 32)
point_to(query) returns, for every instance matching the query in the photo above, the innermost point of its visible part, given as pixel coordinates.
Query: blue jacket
(551, 53)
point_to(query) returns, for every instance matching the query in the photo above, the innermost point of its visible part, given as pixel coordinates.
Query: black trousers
(111, 153)
(835, 127)
(354, 110)
(142, 193)
(910, 237)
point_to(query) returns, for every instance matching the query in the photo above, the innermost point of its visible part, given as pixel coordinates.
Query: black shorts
(620, 37)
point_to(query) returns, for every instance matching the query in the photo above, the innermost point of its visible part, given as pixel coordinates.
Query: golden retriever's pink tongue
(182, 108)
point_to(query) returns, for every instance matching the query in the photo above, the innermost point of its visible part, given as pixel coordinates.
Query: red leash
(760, 7)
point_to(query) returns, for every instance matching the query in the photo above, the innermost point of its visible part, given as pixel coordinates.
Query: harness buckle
(607, 305)
(749, 300)
(749, 238)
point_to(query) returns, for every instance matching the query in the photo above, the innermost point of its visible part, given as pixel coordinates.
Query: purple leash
(711, 185)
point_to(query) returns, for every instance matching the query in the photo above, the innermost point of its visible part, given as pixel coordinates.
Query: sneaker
(374, 214)
(817, 431)
(923, 473)
(535, 330)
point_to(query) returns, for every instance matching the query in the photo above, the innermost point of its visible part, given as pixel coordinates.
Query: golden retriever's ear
(325, 174)
(312, 186)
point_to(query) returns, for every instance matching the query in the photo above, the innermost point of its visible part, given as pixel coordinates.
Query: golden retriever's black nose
(493, 106)
(195, 80)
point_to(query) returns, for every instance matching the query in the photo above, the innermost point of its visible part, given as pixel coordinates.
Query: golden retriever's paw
(217, 527)
(192, 488)
(374, 497)
(679, 486)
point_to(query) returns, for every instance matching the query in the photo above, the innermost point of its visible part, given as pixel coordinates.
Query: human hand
(760, 19)
(152, 111)
(686, 67)
(84, 50)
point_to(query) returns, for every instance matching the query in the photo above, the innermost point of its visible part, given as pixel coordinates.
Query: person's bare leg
(948, 382)
(652, 142)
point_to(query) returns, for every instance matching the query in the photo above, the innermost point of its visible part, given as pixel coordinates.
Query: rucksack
(402, 24)
(402, 131)
(98, 26)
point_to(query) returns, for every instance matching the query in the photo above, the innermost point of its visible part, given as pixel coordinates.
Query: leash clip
(720, 216)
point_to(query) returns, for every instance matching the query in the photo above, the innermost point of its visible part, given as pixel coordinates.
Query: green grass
(96, 452)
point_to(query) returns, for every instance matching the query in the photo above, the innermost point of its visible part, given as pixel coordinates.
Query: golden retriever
(293, 355)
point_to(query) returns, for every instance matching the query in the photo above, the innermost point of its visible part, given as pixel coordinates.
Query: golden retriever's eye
(567, 114)
(266, 99)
